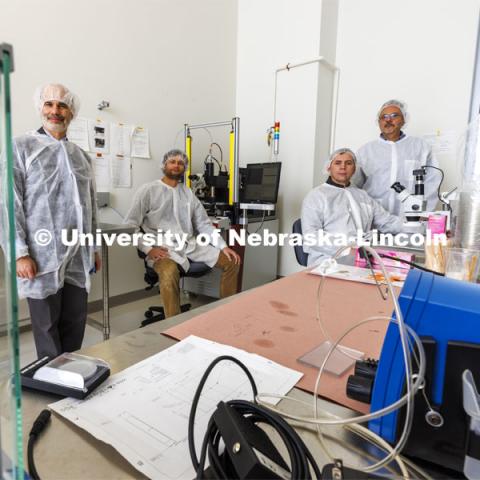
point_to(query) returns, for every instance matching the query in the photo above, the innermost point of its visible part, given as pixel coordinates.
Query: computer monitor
(261, 181)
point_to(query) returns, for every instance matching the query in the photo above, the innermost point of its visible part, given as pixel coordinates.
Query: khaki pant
(169, 278)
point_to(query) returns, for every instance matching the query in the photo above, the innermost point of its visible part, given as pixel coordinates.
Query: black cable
(213, 158)
(221, 154)
(38, 426)
(261, 225)
(415, 265)
(300, 457)
(196, 398)
(439, 185)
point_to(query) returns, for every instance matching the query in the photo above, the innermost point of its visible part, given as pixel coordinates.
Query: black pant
(58, 321)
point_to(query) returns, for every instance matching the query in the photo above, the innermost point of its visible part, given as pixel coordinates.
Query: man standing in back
(392, 158)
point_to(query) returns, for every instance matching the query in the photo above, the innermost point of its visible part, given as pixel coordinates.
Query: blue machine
(445, 313)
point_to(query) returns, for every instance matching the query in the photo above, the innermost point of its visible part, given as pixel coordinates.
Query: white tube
(330, 66)
(417, 385)
(333, 126)
(412, 387)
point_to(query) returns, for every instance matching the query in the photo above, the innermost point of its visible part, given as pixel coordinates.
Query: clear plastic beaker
(462, 264)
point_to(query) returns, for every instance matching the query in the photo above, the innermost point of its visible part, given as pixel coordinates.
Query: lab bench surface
(66, 451)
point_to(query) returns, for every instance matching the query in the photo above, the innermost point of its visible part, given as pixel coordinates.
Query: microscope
(210, 188)
(414, 205)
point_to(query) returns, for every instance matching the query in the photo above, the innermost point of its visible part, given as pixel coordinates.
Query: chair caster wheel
(148, 314)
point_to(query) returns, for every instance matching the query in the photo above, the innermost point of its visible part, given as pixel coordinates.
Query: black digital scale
(68, 375)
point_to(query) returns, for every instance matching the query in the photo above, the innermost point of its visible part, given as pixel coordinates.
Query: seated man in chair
(337, 207)
(168, 206)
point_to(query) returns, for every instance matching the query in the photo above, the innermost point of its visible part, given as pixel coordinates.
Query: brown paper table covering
(278, 321)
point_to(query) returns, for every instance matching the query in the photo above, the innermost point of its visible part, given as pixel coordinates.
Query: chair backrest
(302, 257)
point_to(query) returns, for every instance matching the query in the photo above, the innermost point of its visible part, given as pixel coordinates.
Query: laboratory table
(109, 228)
(66, 451)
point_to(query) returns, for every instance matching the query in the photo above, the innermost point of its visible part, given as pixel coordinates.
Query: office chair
(155, 313)
(302, 257)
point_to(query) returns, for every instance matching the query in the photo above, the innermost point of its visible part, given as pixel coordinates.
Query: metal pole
(106, 292)
(475, 91)
(188, 151)
(333, 127)
(290, 66)
(206, 125)
(236, 163)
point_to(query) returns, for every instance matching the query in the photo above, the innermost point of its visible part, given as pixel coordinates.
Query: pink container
(437, 224)
(390, 265)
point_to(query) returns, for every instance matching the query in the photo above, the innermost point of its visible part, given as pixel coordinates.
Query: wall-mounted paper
(121, 169)
(120, 139)
(101, 167)
(78, 133)
(442, 142)
(140, 143)
(99, 133)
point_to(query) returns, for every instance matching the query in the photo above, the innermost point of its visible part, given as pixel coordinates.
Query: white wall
(160, 63)
(272, 33)
(419, 51)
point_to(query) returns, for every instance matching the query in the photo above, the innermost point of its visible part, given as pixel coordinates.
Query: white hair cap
(175, 153)
(402, 106)
(339, 151)
(57, 92)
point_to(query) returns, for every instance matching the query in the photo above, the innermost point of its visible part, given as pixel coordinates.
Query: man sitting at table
(167, 205)
(337, 207)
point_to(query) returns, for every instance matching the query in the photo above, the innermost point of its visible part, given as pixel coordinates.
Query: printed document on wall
(143, 411)
(442, 142)
(120, 139)
(140, 143)
(99, 134)
(121, 170)
(78, 133)
(101, 168)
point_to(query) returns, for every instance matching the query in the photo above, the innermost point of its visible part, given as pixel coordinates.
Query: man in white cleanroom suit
(54, 191)
(392, 158)
(168, 206)
(337, 207)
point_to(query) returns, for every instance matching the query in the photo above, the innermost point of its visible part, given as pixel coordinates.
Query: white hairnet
(402, 106)
(175, 153)
(58, 92)
(339, 151)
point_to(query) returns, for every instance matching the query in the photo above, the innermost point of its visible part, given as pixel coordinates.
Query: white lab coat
(337, 210)
(381, 163)
(158, 207)
(54, 189)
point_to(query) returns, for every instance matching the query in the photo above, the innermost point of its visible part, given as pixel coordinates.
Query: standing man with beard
(54, 191)
(167, 206)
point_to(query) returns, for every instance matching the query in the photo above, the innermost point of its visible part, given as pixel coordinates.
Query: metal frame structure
(234, 165)
(336, 81)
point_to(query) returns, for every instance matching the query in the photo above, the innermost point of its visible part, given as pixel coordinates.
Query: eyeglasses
(390, 116)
